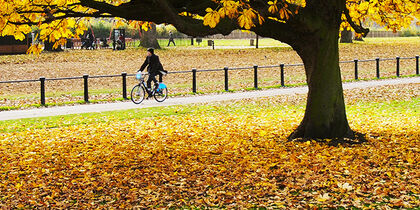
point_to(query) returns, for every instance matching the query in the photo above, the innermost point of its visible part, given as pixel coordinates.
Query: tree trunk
(149, 38)
(48, 46)
(346, 36)
(359, 38)
(325, 115)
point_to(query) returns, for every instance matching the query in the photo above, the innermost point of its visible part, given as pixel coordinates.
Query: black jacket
(153, 65)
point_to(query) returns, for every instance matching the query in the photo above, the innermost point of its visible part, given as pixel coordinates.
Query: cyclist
(154, 67)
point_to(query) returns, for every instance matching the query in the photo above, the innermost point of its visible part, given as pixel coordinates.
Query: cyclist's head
(151, 51)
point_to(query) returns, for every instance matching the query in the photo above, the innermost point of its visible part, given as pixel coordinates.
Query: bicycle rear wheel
(137, 94)
(161, 94)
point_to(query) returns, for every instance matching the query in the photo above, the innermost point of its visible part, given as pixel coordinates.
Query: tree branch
(358, 28)
(67, 15)
(101, 6)
(194, 27)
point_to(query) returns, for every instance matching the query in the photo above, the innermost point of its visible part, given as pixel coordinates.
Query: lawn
(262, 42)
(108, 62)
(230, 154)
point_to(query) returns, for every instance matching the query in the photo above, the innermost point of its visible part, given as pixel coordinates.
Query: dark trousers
(171, 41)
(151, 78)
(160, 78)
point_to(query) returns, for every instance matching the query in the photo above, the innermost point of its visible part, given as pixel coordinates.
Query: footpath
(88, 108)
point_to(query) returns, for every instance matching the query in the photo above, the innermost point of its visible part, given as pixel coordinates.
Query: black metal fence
(226, 70)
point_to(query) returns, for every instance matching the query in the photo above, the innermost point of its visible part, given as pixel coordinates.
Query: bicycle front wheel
(137, 94)
(161, 94)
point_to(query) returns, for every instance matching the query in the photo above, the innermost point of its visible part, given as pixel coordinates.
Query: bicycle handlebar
(142, 73)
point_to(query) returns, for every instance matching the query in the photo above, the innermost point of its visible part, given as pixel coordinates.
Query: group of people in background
(88, 42)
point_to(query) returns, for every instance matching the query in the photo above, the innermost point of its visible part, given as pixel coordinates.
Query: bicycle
(138, 93)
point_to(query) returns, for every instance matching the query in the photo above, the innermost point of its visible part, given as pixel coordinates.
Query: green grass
(223, 42)
(200, 85)
(8, 108)
(63, 93)
(89, 118)
(267, 42)
(381, 108)
(388, 40)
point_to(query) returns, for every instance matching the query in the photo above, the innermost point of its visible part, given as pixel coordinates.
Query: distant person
(91, 41)
(104, 43)
(171, 38)
(154, 68)
(120, 43)
(88, 41)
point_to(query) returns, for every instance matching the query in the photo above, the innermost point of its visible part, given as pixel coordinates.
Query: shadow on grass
(357, 138)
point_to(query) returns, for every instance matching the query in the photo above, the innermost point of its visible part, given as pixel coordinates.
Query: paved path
(77, 109)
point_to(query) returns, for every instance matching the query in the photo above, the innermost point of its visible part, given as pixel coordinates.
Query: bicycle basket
(139, 76)
(161, 86)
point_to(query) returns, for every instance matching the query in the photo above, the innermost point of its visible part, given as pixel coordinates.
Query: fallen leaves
(233, 155)
(77, 63)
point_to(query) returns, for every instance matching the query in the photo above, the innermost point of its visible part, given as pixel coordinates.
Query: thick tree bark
(48, 46)
(149, 38)
(346, 36)
(325, 115)
(359, 38)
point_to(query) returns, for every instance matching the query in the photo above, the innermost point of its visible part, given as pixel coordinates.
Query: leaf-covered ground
(108, 62)
(231, 154)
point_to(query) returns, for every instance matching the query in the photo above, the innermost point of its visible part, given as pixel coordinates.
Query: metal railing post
(226, 78)
(86, 88)
(124, 85)
(398, 67)
(255, 76)
(282, 74)
(194, 80)
(417, 64)
(356, 73)
(377, 68)
(42, 80)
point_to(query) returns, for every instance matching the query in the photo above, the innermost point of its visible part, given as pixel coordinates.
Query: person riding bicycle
(154, 68)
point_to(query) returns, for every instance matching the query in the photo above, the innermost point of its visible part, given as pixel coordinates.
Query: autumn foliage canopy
(61, 19)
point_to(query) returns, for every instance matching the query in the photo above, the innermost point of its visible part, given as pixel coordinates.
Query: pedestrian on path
(171, 39)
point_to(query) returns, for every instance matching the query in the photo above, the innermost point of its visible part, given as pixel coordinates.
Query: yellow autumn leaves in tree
(391, 14)
(246, 16)
(241, 10)
(17, 17)
(212, 18)
(228, 9)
